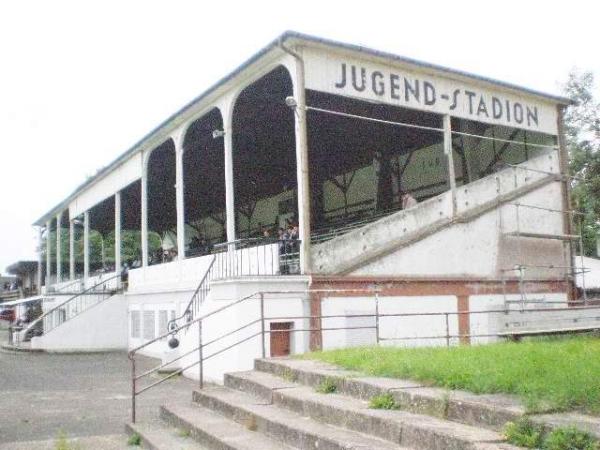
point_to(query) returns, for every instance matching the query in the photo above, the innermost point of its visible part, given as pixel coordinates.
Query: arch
(264, 155)
(204, 184)
(159, 169)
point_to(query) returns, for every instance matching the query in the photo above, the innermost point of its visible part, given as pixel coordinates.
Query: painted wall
(98, 328)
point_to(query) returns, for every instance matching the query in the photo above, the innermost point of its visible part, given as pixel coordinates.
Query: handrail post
(262, 324)
(377, 318)
(132, 357)
(447, 330)
(200, 356)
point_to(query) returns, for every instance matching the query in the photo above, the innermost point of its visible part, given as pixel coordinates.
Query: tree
(582, 133)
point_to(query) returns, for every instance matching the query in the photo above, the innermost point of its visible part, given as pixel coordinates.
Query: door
(280, 338)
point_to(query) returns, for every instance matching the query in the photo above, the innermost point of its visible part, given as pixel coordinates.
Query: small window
(135, 324)
(149, 325)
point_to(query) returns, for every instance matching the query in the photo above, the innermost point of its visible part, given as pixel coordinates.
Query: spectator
(408, 201)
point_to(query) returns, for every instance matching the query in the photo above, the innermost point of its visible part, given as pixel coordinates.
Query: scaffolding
(572, 246)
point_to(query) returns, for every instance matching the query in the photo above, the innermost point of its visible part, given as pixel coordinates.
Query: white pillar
(71, 250)
(86, 245)
(48, 254)
(450, 159)
(58, 248)
(144, 203)
(178, 139)
(302, 168)
(118, 263)
(40, 261)
(229, 175)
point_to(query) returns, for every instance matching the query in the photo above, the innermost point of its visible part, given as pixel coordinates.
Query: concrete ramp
(360, 251)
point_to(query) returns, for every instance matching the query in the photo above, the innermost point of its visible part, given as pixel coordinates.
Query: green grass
(525, 433)
(547, 374)
(384, 401)
(327, 386)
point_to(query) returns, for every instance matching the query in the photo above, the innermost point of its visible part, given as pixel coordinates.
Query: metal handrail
(87, 291)
(188, 311)
(263, 331)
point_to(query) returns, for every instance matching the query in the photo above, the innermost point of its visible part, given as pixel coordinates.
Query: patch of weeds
(524, 433)
(445, 405)
(570, 438)
(62, 443)
(250, 423)
(327, 386)
(383, 401)
(183, 432)
(134, 439)
(289, 375)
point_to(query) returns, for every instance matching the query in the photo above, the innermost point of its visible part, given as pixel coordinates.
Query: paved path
(80, 395)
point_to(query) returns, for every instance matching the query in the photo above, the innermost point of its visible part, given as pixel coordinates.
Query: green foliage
(134, 439)
(384, 401)
(553, 374)
(62, 443)
(327, 386)
(524, 433)
(582, 132)
(184, 432)
(570, 438)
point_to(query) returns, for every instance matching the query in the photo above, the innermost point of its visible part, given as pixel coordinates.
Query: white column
(450, 159)
(48, 254)
(302, 167)
(229, 175)
(71, 250)
(58, 248)
(179, 193)
(144, 203)
(40, 261)
(118, 263)
(86, 245)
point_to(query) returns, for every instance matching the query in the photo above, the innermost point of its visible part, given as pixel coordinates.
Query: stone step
(214, 431)
(407, 428)
(487, 411)
(161, 437)
(284, 425)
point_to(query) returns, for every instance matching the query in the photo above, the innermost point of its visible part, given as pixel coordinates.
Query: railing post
(200, 356)
(262, 324)
(447, 330)
(377, 318)
(132, 389)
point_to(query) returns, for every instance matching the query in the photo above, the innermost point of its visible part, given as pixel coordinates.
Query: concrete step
(215, 431)
(409, 429)
(161, 437)
(284, 425)
(490, 411)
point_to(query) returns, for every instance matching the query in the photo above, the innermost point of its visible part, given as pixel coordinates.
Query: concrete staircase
(277, 406)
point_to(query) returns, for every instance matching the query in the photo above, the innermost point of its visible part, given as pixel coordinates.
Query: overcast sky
(82, 81)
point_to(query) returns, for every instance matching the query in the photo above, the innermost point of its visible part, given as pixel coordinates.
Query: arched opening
(161, 201)
(102, 237)
(131, 225)
(264, 157)
(204, 185)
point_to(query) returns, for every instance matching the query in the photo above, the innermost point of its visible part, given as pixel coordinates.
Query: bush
(384, 401)
(327, 386)
(134, 439)
(570, 438)
(524, 433)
